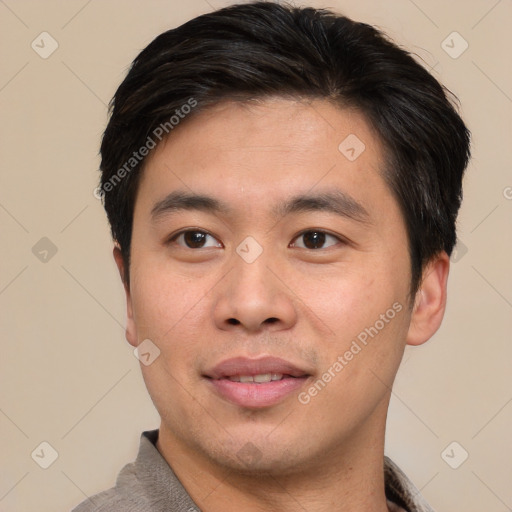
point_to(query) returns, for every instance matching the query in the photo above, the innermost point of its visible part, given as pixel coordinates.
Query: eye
(315, 239)
(194, 239)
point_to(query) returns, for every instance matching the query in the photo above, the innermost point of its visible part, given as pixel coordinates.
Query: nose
(252, 297)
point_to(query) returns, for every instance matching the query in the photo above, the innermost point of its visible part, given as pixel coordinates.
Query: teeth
(262, 377)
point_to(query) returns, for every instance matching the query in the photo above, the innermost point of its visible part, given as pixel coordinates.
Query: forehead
(256, 154)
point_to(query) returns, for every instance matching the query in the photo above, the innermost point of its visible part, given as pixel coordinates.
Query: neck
(348, 477)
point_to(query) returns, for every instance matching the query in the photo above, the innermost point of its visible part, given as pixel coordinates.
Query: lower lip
(257, 395)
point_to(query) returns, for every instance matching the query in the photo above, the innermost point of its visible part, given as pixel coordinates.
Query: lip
(248, 366)
(251, 394)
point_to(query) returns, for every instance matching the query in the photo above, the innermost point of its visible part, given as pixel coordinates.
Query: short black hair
(263, 49)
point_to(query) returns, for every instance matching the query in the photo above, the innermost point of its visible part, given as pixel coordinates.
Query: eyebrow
(331, 201)
(181, 200)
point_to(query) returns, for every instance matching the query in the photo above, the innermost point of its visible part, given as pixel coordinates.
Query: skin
(326, 455)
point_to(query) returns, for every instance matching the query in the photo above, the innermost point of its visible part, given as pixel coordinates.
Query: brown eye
(194, 239)
(315, 240)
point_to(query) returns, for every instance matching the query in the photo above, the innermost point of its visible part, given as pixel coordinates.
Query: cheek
(359, 365)
(368, 319)
(351, 299)
(168, 310)
(165, 301)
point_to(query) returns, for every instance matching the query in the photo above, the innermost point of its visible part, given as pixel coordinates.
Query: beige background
(67, 375)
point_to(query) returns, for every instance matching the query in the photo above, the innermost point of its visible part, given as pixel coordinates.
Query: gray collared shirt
(149, 485)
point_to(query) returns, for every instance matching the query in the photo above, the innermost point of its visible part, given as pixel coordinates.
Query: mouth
(258, 379)
(256, 383)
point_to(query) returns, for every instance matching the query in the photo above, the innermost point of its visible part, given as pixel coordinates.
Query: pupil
(313, 239)
(194, 239)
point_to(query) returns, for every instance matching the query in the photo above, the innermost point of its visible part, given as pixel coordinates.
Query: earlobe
(131, 330)
(430, 301)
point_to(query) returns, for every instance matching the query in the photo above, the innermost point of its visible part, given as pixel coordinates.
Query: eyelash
(173, 238)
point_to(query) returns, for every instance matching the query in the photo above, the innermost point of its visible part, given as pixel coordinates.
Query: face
(278, 298)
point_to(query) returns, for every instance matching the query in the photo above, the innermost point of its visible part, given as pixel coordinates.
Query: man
(282, 185)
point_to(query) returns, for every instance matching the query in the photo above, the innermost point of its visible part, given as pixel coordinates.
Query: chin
(258, 457)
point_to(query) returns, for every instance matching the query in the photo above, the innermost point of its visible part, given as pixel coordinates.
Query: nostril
(233, 321)
(271, 320)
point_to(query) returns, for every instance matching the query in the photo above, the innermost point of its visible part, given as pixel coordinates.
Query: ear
(131, 328)
(430, 301)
